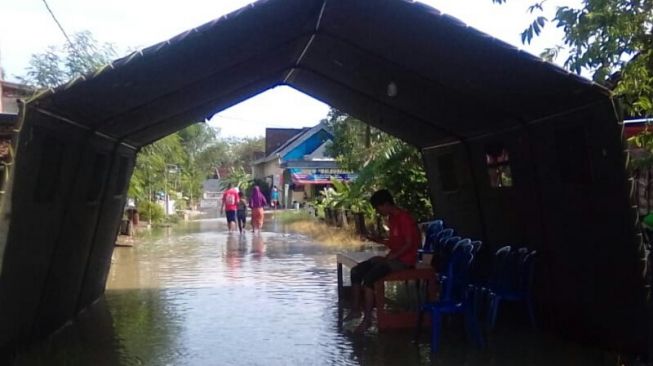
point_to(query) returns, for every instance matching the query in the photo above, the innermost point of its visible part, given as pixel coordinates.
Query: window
(498, 166)
(448, 177)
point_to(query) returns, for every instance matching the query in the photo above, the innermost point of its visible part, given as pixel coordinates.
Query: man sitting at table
(403, 242)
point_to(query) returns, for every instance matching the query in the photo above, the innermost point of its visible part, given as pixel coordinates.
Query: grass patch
(302, 222)
(326, 234)
(292, 216)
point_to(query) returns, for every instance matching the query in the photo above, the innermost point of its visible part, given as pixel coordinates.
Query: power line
(235, 118)
(60, 26)
(266, 123)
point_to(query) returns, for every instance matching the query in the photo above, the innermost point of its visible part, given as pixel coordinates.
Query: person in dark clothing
(242, 212)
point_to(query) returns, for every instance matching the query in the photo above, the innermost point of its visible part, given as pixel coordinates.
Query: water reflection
(258, 247)
(232, 254)
(201, 296)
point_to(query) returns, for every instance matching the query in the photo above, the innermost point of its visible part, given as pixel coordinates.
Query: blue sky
(26, 28)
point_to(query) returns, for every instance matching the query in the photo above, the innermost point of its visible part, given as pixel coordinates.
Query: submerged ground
(196, 295)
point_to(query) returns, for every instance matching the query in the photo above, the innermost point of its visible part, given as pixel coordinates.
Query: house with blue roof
(299, 166)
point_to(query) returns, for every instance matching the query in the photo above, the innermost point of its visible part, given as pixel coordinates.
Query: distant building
(299, 165)
(642, 174)
(211, 194)
(633, 127)
(10, 93)
(275, 137)
(268, 166)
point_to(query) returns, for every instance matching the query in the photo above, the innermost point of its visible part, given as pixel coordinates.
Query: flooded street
(219, 298)
(197, 295)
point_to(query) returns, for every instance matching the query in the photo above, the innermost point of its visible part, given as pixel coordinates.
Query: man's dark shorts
(369, 271)
(231, 216)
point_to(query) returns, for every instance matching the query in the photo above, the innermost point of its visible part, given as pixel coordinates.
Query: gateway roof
(403, 67)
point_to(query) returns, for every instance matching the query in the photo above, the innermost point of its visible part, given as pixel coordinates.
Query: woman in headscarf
(257, 202)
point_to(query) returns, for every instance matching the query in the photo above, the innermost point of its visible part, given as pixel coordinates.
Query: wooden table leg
(379, 300)
(340, 287)
(433, 288)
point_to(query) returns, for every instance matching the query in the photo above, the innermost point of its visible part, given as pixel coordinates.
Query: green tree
(241, 179)
(382, 161)
(196, 151)
(242, 151)
(212, 157)
(194, 140)
(149, 175)
(348, 134)
(641, 149)
(356, 144)
(611, 39)
(59, 64)
(186, 149)
(198, 137)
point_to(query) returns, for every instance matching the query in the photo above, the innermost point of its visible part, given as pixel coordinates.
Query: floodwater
(197, 295)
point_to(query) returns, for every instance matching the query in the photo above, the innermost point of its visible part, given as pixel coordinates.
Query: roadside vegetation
(610, 40)
(179, 164)
(300, 221)
(381, 161)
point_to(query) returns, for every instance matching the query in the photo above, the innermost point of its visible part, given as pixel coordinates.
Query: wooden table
(350, 260)
(385, 319)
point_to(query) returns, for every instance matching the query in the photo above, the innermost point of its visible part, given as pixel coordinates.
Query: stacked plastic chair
(512, 280)
(456, 297)
(434, 234)
(477, 244)
(432, 231)
(442, 237)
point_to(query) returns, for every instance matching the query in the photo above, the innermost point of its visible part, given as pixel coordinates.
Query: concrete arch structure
(454, 92)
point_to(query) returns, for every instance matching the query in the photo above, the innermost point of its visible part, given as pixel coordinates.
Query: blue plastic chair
(434, 228)
(449, 243)
(499, 272)
(456, 297)
(477, 276)
(477, 244)
(446, 249)
(431, 234)
(441, 237)
(512, 281)
(464, 241)
(433, 243)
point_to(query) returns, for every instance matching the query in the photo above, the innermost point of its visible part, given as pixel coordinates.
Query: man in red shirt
(230, 206)
(403, 241)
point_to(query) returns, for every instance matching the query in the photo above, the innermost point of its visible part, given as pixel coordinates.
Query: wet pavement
(196, 295)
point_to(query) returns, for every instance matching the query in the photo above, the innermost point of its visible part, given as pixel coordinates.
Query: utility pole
(170, 168)
(165, 188)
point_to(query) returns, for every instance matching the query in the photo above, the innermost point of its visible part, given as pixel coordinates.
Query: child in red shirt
(230, 206)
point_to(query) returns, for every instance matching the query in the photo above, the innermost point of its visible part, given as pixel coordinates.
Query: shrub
(150, 211)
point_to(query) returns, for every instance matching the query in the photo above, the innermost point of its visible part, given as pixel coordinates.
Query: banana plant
(353, 196)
